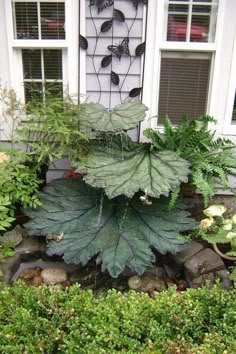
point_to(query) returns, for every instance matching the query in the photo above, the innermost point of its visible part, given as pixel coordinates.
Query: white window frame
(229, 127)
(73, 65)
(156, 43)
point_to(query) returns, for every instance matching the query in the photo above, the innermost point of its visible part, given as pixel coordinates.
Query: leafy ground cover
(53, 320)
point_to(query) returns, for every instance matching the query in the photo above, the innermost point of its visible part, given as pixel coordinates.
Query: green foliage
(51, 320)
(6, 212)
(124, 116)
(18, 184)
(217, 228)
(127, 167)
(52, 129)
(121, 231)
(212, 160)
(6, 250)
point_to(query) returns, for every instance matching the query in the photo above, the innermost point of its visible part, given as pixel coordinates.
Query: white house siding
(4, 64)
(120, 67)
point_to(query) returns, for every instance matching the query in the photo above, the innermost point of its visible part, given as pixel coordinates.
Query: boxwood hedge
(53, 320)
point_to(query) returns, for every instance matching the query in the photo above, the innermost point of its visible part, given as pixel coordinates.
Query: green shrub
(52, 320)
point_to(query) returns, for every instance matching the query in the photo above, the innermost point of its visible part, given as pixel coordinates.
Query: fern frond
(173, 198)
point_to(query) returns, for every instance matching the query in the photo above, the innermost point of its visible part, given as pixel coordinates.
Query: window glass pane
(184, 85)
(32, 68)
(190, 22)
(33, 91)
(234, 110)
(52, 64)
(54, 89)
(52, 20)
(26, 20)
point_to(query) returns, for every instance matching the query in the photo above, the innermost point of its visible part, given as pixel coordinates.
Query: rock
(88, 278)
(32, 276)
(29, 245)
(173, 270)
(192, 249)
(206, 266)
(54, 276)
(157, 271)
(9, 268)
(225, 282)
(147, 283)
(36, 281)
(13, 237)
(27, 274)
(205, 261)
(169, 282)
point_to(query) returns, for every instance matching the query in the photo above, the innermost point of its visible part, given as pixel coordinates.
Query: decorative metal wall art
(118, 49)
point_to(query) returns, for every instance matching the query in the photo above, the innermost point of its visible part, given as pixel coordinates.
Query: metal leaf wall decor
(117, 26)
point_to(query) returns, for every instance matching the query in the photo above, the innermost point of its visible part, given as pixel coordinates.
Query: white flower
(215, 210)
(234, 219)
(4, 157)
(231, 235)
(227, 225)
(205, 223)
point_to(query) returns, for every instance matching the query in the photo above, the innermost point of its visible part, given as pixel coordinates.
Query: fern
(212, 159)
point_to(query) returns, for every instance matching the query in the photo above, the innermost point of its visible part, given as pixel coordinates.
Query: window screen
(42, 70)
(184, 81)
(39, 20)
(192, 21)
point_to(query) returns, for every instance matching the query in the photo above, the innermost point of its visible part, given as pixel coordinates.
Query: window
(191, 20)
(184, 81)
(39, 20)
(180, 64)
(41, 43)
(42, 70)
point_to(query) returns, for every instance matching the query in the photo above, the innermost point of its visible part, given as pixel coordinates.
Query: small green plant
(217, 229)
(6, 250)
(212, 160)
(40, 132)
(19, 184)
(52, 130)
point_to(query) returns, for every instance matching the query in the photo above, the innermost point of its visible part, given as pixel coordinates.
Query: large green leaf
(120, 232)
(124, 167)
(123, 117)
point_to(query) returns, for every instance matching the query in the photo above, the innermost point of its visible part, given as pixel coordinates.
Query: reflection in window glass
(192, 23)
(32, 63)
(52, 20)
(42, 71)
(33, 91)
(52, 64)
(27, 15)
(26, 20)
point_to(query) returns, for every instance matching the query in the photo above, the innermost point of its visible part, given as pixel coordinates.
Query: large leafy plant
(212, 160)
(120, 231)
(114, 216)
